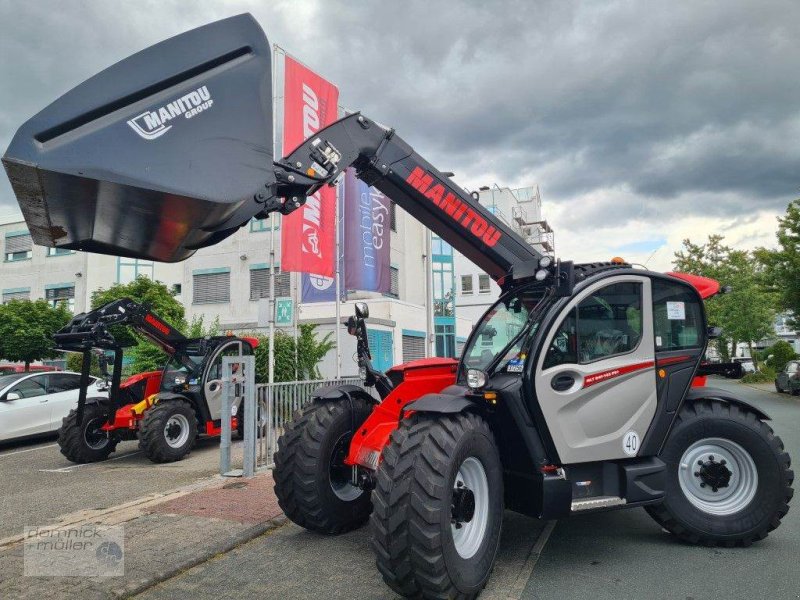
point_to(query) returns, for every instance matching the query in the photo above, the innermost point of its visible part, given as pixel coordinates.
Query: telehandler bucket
(156, 156)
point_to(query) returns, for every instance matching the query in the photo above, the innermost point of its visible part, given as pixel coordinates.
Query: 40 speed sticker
(630, 443)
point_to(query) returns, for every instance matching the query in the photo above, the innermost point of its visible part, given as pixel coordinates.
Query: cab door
(596, 382)
(212, 382)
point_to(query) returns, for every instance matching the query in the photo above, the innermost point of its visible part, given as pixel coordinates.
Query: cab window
(677, 317)
(607, 323)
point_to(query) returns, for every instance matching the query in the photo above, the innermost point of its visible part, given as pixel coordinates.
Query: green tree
(745, 314)
(782, 266)
(27, 328)
(146, 356)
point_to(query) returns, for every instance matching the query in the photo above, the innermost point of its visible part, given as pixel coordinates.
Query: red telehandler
(166, 410)
(574, 392)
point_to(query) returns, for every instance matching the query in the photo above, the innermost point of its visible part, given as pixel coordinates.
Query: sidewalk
(165, 534)
(223, 538)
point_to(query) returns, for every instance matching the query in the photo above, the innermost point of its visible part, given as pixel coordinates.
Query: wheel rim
(468, 533)
(176, 431)
(95, 438)
(718, 476)
(340, 474)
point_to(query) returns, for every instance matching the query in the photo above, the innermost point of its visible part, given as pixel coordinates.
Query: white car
(34, 403)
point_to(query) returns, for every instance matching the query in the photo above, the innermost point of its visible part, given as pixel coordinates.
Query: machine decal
(601, 376)
(152, 124)
(446, 200)
(630, 443)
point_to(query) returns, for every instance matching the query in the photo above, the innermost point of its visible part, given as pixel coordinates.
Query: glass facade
(443, 297)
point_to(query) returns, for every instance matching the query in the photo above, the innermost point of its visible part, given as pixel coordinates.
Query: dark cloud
(689, 108)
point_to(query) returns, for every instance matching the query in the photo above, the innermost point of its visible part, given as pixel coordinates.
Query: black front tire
(310, 480)
(709, 419)
(86, 443)
(168, 431)
(415, 505)
(778, 388)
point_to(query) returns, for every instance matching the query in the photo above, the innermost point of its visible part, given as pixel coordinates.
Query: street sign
(284, 312)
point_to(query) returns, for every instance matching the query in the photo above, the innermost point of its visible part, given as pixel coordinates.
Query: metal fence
(277, 403)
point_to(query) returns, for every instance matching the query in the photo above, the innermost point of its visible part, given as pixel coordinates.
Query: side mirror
(12, 396)
(714, 332)
(362, 310)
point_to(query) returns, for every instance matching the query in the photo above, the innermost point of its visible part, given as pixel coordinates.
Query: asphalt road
(39, 484)
(625, 555)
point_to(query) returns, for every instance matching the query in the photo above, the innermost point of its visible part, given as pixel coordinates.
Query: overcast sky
(641, 122)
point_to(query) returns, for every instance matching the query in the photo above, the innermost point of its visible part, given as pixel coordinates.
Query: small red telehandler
(573, 393)
(166, 410)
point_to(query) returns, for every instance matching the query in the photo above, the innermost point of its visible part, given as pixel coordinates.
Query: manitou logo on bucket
(308, 234)
(152, 124)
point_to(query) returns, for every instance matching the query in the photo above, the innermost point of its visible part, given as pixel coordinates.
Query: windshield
(176, 372)
(497, 334)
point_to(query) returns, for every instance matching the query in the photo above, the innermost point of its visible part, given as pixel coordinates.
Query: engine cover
(156, 156)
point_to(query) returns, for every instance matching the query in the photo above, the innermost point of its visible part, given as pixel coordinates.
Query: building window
(59, 251)
(483, 284)
(128, 269)
(393, 216)
(61, 294)
(443, 288)
(211, 287)
(257, 225)
(259, 283)
(394, 286)
(19, 246)
(16, 294)
(466, 285)
(445, 340)
(413, 345)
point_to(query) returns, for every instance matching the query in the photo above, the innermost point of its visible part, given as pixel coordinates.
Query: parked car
(34, 403)
(748, 366)
(788, 380)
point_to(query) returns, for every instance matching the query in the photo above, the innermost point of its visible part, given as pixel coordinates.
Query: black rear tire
(311, 483)
(413, 533)
(86, 443)
(711, 419)
(168, 431)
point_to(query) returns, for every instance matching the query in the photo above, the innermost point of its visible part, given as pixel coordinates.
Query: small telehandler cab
(574, 392)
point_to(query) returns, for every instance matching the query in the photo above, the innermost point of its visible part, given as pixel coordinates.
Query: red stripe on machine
(672, 360)
(602, 376)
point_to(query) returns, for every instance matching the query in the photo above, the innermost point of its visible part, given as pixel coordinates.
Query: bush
(310, 351)
(778, 355)
(765, 375)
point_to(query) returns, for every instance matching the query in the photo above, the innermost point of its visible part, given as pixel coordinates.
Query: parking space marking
(71, 468)
(518, 588)
(4, 454)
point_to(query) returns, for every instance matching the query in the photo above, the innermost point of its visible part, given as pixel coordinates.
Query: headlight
(476, 378)
(180, 380)
(362, 372)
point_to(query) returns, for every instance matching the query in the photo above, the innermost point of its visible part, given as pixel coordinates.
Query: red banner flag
(308, 239)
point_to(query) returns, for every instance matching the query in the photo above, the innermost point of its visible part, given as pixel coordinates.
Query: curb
(241, 538)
